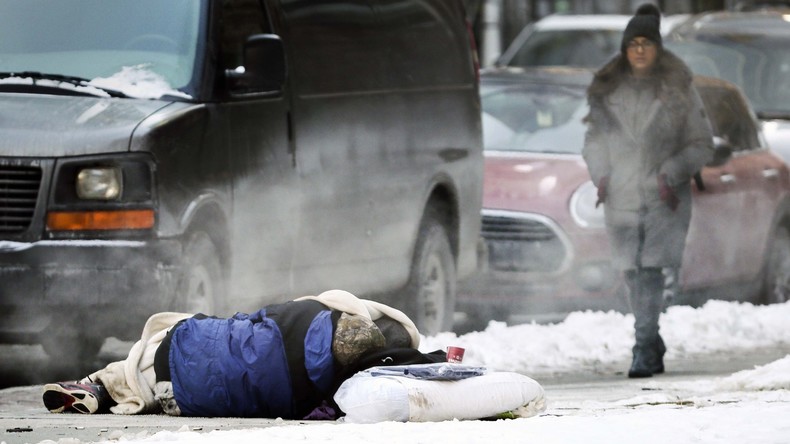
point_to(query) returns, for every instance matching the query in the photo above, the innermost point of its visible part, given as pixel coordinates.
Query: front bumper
(105, 286)
(519, 297)
(536, 269)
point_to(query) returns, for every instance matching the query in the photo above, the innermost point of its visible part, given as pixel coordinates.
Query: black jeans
(646, 287)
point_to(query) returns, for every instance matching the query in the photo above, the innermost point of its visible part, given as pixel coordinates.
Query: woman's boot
(646, 295)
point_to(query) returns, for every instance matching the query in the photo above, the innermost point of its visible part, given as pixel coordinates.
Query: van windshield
(144, 48)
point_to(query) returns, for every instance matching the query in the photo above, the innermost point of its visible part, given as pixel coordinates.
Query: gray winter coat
(630, 142)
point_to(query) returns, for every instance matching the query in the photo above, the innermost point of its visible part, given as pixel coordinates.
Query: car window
(730, 117)
(535, 119)
(585, 48)
(759, 65)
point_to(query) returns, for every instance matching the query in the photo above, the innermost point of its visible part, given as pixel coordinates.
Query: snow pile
(722, 326)
(773, 376)
(597, 341)
(138, 81)
(583, 340)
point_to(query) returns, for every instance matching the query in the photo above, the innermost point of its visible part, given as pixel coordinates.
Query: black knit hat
(645, 23)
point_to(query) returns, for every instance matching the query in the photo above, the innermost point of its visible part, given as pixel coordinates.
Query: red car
(547, 251)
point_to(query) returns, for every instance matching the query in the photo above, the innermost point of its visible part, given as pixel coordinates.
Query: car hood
(35, 125)
(529, 182)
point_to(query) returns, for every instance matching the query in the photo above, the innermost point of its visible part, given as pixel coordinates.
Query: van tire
(70, 352)
(200, 287)
(432, 285)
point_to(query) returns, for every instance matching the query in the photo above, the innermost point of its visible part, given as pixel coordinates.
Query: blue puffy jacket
(276, 362)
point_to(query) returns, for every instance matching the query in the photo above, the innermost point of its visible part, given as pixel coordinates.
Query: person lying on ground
(285, 360)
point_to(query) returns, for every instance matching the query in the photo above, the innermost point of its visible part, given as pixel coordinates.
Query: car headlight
(583, 209)
(99, 183)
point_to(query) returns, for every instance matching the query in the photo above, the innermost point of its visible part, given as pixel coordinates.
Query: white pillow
(368, 399)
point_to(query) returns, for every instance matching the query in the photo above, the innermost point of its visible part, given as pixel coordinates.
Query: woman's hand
(602, 184)
(666, 193)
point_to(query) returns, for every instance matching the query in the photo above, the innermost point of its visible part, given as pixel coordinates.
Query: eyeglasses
(633, 45)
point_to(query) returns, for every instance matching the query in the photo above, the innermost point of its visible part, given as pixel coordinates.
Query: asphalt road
(23, 418)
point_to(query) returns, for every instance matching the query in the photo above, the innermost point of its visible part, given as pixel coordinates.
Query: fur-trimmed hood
(672, 73)
(673, 82)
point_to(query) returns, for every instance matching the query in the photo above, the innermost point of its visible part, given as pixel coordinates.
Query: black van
(217, 155)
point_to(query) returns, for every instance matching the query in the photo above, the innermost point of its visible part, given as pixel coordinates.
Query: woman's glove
(602, 184)
(666, 193)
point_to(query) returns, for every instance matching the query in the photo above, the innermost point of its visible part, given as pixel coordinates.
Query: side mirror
(264, 66)
(722, 151)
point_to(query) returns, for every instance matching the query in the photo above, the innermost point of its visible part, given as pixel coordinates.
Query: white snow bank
(595, 341)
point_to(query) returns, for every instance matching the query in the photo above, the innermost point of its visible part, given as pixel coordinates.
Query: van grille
(522, 244)
(19, 187)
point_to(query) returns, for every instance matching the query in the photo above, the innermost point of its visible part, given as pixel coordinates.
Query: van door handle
(770, 173)
(727, 178)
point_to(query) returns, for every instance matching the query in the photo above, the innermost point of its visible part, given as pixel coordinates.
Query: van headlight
(99, 183)
(583, 209)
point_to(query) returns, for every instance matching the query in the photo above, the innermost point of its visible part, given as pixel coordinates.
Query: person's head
(355, 336)
(642, 43)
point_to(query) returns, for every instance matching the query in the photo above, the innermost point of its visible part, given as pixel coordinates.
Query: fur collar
(672, 74)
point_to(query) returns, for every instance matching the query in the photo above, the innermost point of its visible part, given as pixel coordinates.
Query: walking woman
(647, 136)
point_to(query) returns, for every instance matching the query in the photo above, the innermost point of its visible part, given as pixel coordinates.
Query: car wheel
(432, 284)
(200, 284)
(777, 273)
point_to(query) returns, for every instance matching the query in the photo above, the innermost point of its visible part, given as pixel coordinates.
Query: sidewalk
(23, 418)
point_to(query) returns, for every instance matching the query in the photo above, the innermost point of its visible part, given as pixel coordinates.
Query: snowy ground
(751, 406)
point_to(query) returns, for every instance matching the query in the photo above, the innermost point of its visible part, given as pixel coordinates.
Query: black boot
(648, 361)
(659, 350)
(643, 364)
(646, 295)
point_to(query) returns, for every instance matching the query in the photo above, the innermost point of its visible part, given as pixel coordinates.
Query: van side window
(239, 20)
(338, 44)
(405, 25)
(377, 45)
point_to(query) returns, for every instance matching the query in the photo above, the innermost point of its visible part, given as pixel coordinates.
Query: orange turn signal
(100, 220)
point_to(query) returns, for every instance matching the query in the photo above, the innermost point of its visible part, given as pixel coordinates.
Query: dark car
(751, 50)
(219, 155)
(548, 252)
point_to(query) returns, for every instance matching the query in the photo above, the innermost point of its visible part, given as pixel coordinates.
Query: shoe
(76, 396)
(645, 364)
(660, 350)
(639, 372)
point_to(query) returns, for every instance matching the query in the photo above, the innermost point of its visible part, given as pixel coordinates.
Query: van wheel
(70, 353)
(200, 285)
(432, 283)
(777, 272)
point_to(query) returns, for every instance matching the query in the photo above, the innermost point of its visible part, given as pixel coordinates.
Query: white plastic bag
(368, 399)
